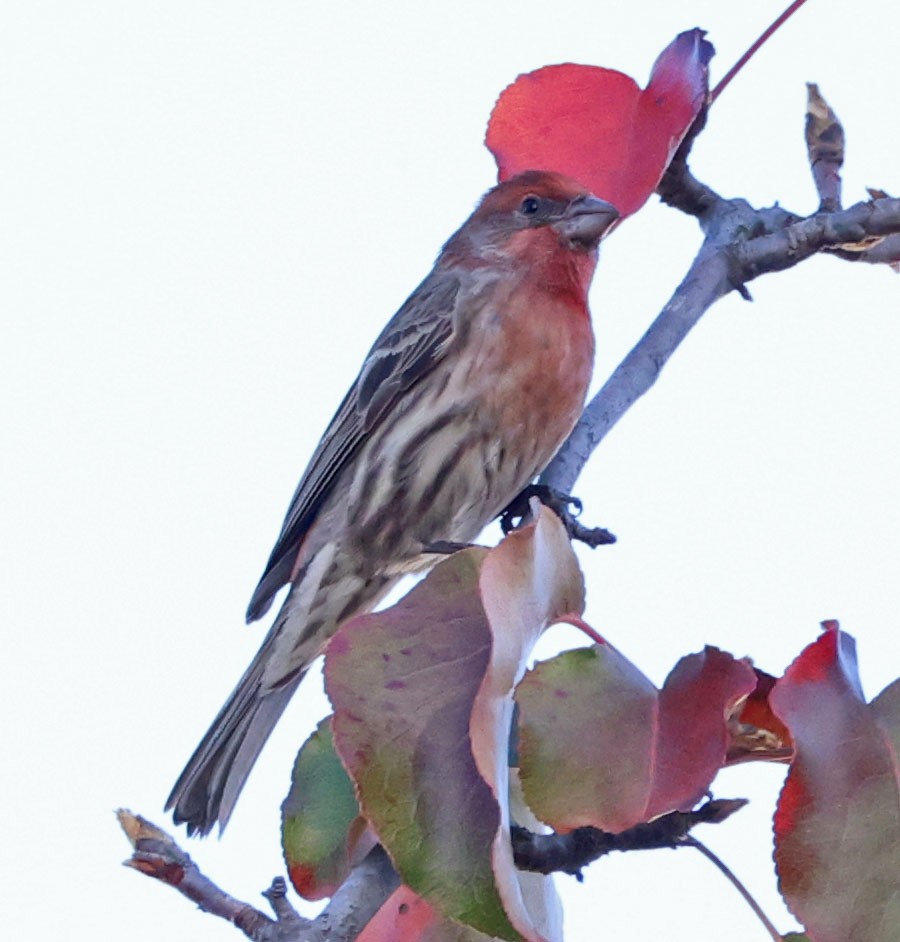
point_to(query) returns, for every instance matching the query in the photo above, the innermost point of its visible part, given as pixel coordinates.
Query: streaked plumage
(464, 397)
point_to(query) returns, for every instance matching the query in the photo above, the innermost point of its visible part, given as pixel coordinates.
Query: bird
(465, 396)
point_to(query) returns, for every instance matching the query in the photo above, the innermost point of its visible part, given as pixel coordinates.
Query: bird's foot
(518, 513)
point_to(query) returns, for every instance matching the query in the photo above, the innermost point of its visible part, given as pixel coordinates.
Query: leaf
(597, 126)
(406, 917)
(528, 582)
(404, 682)
(837, 825)
(756, 733)
(538, 891)
(600, 746)
(322, 833)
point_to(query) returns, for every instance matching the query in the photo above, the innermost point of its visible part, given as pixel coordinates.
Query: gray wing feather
(413, 342)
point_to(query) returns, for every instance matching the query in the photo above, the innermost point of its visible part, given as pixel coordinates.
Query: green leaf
(322, 833)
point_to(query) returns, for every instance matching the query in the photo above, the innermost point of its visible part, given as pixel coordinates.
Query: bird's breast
(536, 353)
(475, 431)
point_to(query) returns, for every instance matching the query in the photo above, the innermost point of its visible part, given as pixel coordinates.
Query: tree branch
(741, 243)
(569, 853)
(157, 855)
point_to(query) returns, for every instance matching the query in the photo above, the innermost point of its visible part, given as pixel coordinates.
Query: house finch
(466, 395)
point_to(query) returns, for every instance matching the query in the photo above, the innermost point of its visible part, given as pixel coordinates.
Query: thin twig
(157, 855)
(736, 883)
(748, 55)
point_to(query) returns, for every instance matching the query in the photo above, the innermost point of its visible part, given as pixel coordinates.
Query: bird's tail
(209, 786)
(327, 592)
(207, 789)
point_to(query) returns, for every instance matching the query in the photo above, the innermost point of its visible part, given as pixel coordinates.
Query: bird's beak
(586, 221)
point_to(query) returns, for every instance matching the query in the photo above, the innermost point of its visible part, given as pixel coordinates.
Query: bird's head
(542, 200)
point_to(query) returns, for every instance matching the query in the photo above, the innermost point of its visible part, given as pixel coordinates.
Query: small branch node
(825, 149)
(276, 895)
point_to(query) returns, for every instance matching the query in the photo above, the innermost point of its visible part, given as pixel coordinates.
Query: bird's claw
(517, 513)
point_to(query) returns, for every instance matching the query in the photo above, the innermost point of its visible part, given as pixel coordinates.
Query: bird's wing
(409, 347)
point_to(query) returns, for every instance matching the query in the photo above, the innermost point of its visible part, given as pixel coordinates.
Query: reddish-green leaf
(600, 746)
(837, 826)
(406, 917)
(402, 682)
(598, 126)
(322, 833)
(431, 773)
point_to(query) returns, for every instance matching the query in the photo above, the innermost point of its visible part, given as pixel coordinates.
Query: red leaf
(694, 703)
(403, 917)
(837, 826)
(406, 917)
(597, 126)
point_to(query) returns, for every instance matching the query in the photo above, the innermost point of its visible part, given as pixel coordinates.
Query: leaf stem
(736, 883)
(745, 58)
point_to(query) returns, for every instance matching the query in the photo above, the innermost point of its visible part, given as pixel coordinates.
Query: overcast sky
(209, 210)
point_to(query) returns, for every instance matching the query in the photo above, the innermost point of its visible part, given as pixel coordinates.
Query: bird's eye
(530, 205)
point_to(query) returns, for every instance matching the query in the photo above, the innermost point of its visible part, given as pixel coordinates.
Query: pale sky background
(208, 211)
